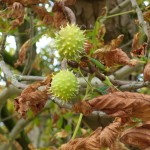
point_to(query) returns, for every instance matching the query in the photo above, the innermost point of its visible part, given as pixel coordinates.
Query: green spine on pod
(64, 85)
(70, 42)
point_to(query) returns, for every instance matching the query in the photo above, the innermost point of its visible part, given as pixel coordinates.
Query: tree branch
(119, 7)
(9, 75)
(140, 16)
(28, 65)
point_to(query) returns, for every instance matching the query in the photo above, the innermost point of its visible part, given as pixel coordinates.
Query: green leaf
(103, 89)
(98, 64)
(60, 122)
(68, 128)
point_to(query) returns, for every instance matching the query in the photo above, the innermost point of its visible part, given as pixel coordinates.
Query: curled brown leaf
(138, 136)
(91, 143)
(32, 98)
(110, 133)
(116, 42)
(138, 50)
(118, 104)
(59, 17)
(147, 72)
(98, 139)
(22, 53)
(111, 55)
(135, 42)
(116, 56)
(43, 14)
(16, 12)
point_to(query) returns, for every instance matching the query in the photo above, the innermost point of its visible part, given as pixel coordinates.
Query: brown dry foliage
(87, 46)
(22, 53)
(111, 55)
(32, 98)
(147, 72)
(135, 42)
(118, 104)
(59, 18)
(138, 136)
(42, 13)
(117, 56)
(98, 139)
(15, 12)
(137, 49)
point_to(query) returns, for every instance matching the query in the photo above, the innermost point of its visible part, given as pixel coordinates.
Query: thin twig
(140, 16)
(29, 60)
(134, 86)
(9, 117)
(119, 7)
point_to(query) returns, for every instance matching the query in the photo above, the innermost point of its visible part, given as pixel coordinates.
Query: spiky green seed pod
(70, 42)
(64, 85)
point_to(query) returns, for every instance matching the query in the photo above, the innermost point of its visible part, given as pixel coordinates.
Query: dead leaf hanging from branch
(117, 56)
(16, 12)
(98, 139)
(32, 98)
(138, 136)
(118, 104)
(59, 17)
(43, 14)
(22, 53)
(111, 55)
(138, 50)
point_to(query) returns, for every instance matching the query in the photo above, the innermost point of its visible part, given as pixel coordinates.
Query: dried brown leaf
(147, 72)
(88, 46)
(110, 55)
(111, 46)
(59, 19)
(139, 51)
(138, 136)
(59, 15)
(43, 14)
(98, 139)
(116, 42)
(135, 42)
(32, 98)
(116, 56)
(16, 13)
(110, 133)
(22, 53)
(118, 104)
(89, 143)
